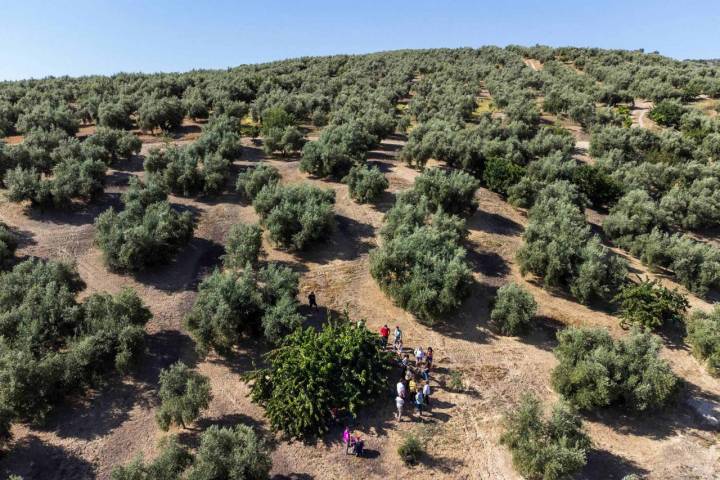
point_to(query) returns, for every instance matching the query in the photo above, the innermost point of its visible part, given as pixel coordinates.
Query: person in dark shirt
(312, 301)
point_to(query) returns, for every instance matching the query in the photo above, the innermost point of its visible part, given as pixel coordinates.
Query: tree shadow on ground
(77, 213)
(683, 415)
(292, 476)
(604, 465)
(470, 321)
(489, 264)
(349, 241)
(385, 202)
(30, 458)
(488, 222)
(543, 333)
(186, 269)
(247, 357)
(134, 164)
(442, 464)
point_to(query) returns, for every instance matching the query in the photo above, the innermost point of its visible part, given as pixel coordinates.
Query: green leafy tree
(365, 184)
(343, 366)
(596, 371)
(244, 245)
(169, 465)
(251, 181)
(703, 335)
(547, 449)
(231, 453)
(8, 245)
(514, 308)
(165, 113)
(650, 305)
(183, 394)
(296, 215)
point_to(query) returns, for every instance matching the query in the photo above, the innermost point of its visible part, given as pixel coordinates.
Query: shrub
(650, 305)
(425, 272)
(514, 308)
(143, 234)
(411, 449)
(169, 465)
(501, 174)
(595, 371)
(183, 393)
(115, 115)
(232, 304)
(54, 346)
(345, 365)
(337, 150)
(550, 448)
(286, 140)
(453, 191)
(365, 184)
(455, 384)
(221, 136)
(119, 144)
(165, 113)
(186, 174)
(560, 249)
(251, 181)
(243, 246)
(297, 215)
(46, 116)
(668, 113)
(703, 335)
(225, 453)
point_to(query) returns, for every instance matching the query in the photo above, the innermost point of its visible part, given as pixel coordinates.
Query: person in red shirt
(384, 335)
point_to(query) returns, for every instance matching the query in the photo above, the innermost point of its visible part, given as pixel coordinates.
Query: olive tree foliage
(421, 263)
(224, 453)
(703, 336)
(344, 365)
(650, 305)
(243, 246)
(46, 116)
(252, 180)
(233, 304)
(338, 148)
(513, 309)
(147, 232)
(231, 453)
(165, 113)
(186, 174)
(365, 184)
(183, 394)
(296, 215)
(559, 248)
(545, 448)
(170, 464)
(596, 371)
(116, 115)
(53, 345)
(118, 144)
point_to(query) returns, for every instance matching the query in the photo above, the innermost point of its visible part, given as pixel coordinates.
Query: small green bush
(8, 245)
(183, 394)
(411, 449)
(513, 309)
(650, 305)
(251, 181)
(501, 174)
(232, 304)
(455, 383)
(169, 465)
(231, 453)
(453, 190)
(337, 150)
(365, 184)
(596, 371)
(703, 335)
(547, 449)
(147, 232)
(297, 215)
(244, 245)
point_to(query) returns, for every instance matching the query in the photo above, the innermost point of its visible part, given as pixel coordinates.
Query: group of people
(414, 385)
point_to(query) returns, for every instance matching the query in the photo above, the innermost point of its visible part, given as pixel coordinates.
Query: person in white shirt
(426, 393)
(399, 404)
(419, 355)
(401, 389)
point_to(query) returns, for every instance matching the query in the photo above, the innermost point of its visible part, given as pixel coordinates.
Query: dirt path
(85, 439)
(639, 114)
(534, 64)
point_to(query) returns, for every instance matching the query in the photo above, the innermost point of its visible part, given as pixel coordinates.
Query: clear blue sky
(56, 37)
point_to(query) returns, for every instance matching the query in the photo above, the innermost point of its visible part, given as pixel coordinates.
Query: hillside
(578, 161)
